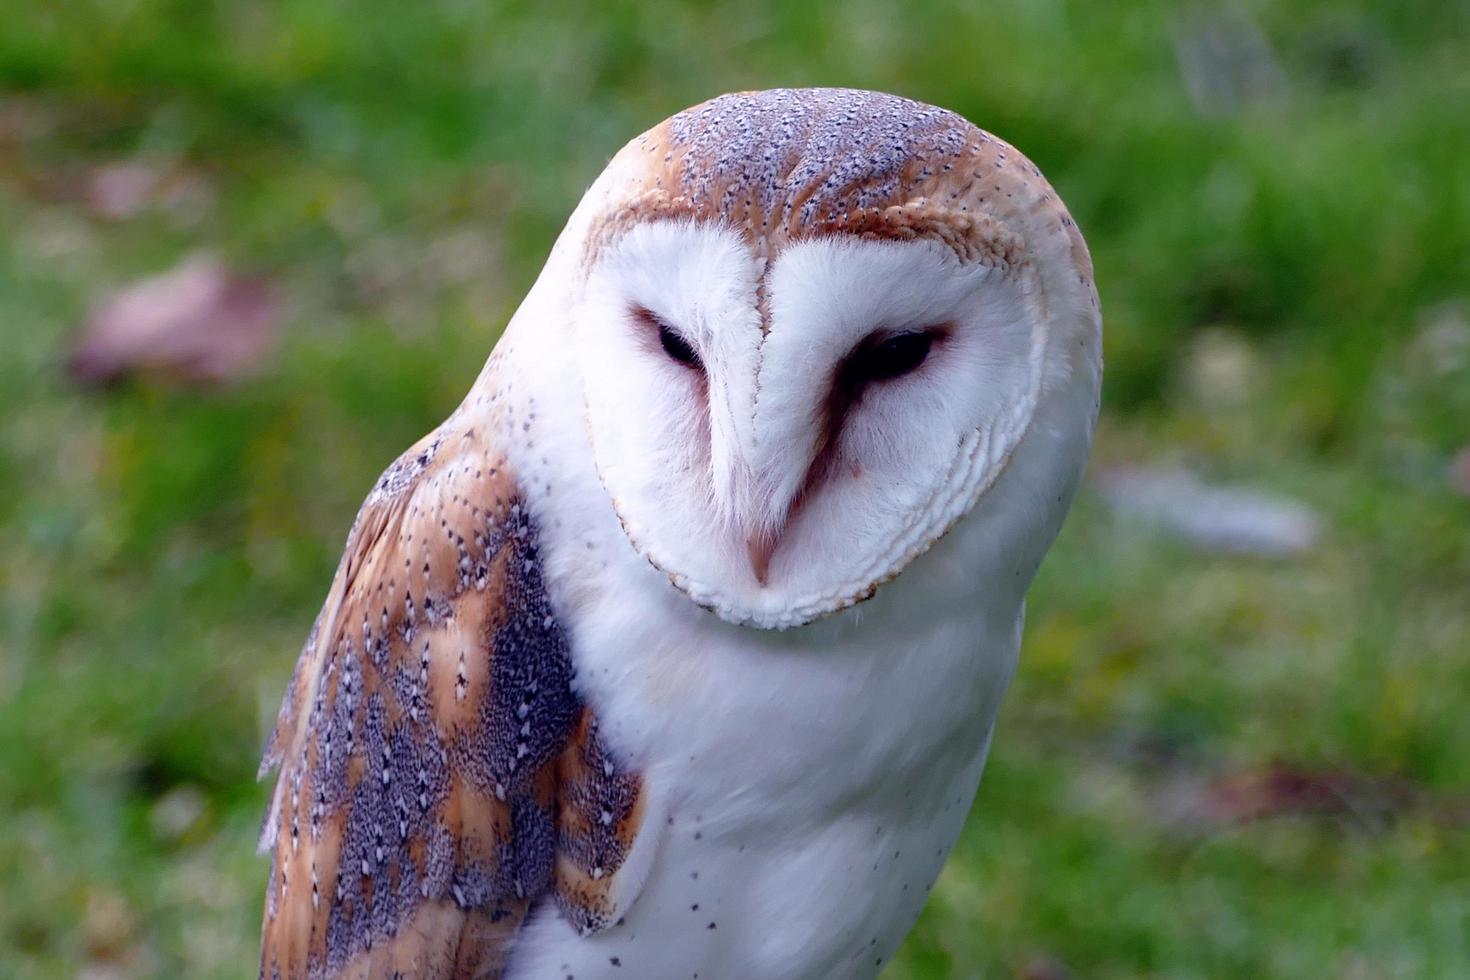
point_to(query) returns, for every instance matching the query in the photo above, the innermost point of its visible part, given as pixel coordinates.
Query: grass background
(1277, 196)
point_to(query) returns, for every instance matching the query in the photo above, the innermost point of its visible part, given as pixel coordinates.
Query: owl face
(788, 403)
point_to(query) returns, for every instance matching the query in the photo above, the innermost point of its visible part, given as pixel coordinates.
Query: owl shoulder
(438, 773)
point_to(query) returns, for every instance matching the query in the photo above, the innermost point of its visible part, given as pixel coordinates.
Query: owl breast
(804, 786)
(831, 900)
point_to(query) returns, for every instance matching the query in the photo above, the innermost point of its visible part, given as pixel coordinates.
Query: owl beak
(760, 547)
(767, 529)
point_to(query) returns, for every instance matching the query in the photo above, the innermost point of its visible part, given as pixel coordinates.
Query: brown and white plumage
(589, 695)
(437, 771)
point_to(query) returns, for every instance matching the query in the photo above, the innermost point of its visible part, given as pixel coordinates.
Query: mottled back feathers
(438, 774)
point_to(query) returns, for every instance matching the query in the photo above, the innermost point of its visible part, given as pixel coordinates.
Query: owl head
(813, 330)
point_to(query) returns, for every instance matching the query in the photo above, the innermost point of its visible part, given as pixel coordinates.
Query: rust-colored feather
(425, 736)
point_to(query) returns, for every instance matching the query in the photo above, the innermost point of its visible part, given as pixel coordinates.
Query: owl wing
(437, 772)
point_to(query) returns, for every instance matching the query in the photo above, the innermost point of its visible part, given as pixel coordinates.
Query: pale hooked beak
(769, 527)
(760, 547)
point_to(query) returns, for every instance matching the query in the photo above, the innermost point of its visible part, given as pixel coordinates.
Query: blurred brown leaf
(1283, 789)
(1043, 966)
(200, 322)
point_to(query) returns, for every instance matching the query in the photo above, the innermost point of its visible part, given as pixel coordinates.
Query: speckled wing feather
(425, 735)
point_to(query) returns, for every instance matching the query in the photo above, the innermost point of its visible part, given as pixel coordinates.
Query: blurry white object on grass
(1227, 519)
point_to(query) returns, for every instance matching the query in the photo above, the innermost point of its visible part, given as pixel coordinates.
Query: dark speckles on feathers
(810, 155)
(528, 709)
(404, 472)
(415, 782)
(599, 815)
(788, 164)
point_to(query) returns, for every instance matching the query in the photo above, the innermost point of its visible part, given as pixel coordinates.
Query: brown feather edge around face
(438, 772)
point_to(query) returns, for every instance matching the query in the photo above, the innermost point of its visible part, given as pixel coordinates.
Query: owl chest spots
(727, 898)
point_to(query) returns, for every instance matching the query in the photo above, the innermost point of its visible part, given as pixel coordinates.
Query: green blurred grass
(162, 552)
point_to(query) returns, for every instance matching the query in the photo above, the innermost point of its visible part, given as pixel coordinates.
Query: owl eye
(679, 350)
(890, 358)
(677, 347)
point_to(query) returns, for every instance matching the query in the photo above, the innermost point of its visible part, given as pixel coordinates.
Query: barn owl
(675, 650)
